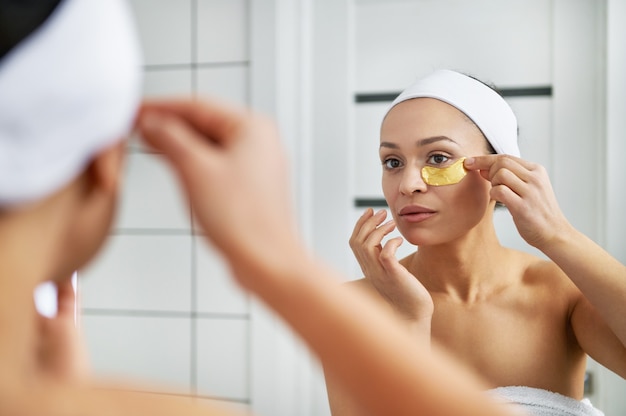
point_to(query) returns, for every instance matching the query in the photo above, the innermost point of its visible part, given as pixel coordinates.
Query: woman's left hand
(524, 187)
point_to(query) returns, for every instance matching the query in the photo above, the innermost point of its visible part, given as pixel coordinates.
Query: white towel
(539, 402)
(484, 106)
(67, 91)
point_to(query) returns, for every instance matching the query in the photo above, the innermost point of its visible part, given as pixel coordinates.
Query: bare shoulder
(543, 273)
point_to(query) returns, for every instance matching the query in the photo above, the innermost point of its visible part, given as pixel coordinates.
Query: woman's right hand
(232, 165)
(404, 292)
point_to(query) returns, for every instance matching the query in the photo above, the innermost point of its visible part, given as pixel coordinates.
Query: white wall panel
(368, 168)
(398, 41)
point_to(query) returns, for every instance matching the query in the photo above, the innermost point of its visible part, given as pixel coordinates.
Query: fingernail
(469, 161)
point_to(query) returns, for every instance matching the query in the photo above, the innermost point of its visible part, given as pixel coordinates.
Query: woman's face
(428, 132)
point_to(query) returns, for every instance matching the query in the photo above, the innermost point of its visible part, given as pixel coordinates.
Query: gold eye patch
(444, 176)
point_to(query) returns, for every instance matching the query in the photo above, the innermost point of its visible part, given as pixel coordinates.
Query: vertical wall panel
(578, 104)
(612, 386)
(398, 41)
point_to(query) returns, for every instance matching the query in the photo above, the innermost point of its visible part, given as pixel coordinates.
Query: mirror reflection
(159, 304)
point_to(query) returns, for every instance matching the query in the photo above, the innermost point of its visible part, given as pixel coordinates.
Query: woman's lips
(415, 213)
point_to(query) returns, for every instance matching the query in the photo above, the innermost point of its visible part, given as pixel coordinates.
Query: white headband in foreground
(485, 107)
(67, 91)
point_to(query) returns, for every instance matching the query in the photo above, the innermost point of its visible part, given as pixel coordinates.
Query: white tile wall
(216, 291)
(140, 272)
(141, 348)
(223, 358)
(222, 30)
(168, 82)
(151, 198)
(165, 29)
(230, 83)
(158, 303)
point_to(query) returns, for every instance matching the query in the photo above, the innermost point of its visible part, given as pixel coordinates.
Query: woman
(61, 157)
(517, 320)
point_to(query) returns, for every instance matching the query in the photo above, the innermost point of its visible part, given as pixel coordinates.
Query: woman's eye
(391, 163)
(438, 159)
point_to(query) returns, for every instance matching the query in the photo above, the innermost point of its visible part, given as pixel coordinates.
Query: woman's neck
(20, 273)
(468, 268)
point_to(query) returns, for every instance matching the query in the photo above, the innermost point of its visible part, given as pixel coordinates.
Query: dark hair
(20, 18)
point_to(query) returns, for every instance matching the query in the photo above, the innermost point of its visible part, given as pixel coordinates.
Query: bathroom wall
(158, 303)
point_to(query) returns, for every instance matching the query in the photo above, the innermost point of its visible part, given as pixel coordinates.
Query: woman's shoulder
(535, 270)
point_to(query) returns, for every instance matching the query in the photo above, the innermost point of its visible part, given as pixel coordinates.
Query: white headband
(67, 91)
(485, 107)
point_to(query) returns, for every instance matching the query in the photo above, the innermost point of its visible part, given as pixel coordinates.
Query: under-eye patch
(444, 176)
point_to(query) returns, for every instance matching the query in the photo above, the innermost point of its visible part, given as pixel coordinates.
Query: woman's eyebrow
(421, 142)
(389, 145)
(435, 139)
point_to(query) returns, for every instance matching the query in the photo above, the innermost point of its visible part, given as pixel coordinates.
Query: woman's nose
(412, 181)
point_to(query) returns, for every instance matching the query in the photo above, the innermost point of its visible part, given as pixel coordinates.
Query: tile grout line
(194, 48)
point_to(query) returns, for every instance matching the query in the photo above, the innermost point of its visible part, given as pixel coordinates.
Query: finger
(514, 181)
(505, 195)
(511, 171)
(486, 162)
(388, 254)
(483, 164)
(375, 238)
(369, 212)
(369, 225)
(479, 162)
(215, 119)
(176, 139)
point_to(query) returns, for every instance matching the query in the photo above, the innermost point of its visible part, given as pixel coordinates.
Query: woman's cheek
(475, 191)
